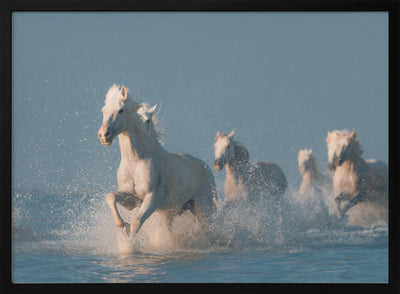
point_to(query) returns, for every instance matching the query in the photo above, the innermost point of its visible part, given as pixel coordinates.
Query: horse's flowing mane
(241, 152)
(114, 92)
(356, 144)
(156, 120)
(337, 139)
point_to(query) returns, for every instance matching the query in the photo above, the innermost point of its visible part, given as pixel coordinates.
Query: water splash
(76, 224)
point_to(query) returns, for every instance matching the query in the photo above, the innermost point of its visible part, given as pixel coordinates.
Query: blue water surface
(340, 265)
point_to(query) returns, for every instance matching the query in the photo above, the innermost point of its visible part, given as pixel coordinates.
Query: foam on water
(82, 224)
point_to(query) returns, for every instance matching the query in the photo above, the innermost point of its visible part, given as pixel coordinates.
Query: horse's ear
(151, 110)
(230, 136)
(354, 134)
(124, 92)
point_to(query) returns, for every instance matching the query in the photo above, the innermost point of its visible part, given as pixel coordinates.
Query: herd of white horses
(151, 178)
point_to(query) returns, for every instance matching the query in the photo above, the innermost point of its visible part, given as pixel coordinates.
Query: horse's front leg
(338, 200)
(146, 209)
(355, 200)
(125, 199)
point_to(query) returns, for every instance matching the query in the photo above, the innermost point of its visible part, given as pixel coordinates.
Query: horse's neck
(354, 165)
(307, 176)
(134, 148)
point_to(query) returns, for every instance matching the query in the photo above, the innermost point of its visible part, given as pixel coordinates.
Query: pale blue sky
(281, 80)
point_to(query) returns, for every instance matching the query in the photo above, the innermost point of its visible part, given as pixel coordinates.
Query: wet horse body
(355, 180)
(148, 175)
(246, 180)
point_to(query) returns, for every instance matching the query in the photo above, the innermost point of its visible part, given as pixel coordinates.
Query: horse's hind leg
(203, 210)
(189, 205)
(125, 199)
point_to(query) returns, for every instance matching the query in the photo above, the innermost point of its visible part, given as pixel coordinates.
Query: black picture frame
(8, 7)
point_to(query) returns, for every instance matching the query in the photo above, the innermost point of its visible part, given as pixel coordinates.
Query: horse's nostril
(106, 134)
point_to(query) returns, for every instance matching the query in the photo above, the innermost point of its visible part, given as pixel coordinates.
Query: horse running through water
(315, 188)
(355, 180)
(312, 179)
(246, 180)
(149, 176)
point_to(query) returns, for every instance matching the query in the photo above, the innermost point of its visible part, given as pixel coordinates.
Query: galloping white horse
(355, 180)
(244, 179)
(148, 175)
(312, 179)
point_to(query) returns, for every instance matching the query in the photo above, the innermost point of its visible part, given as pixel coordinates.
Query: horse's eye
(121, 111)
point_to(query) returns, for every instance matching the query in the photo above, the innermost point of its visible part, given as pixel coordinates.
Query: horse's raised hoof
(126, 229)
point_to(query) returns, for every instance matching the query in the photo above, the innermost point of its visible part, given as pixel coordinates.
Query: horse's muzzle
(105, 137)
(331, 166)
(218, 165)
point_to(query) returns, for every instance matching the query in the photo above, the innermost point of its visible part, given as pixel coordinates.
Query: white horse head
(305, 160)
(115, 118)
(223, 149)
(119, 112)
(342, 145)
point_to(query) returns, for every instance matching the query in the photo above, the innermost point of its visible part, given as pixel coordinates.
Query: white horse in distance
(149, 176)
(315, 187)
(312, 179)
(355, 180)
(246, 180)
